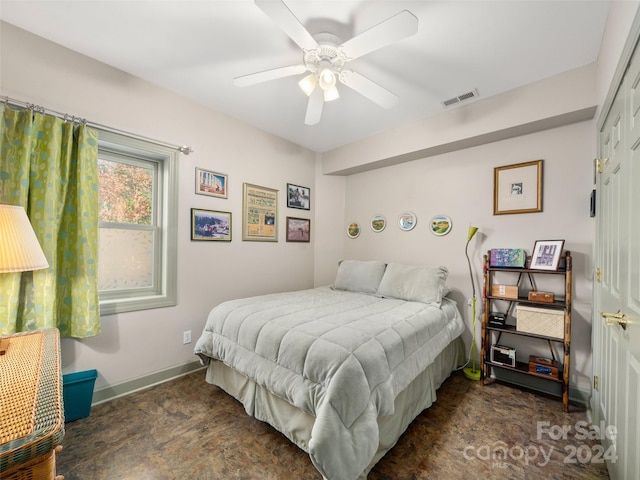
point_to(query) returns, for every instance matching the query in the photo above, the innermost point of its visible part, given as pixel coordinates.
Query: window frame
(163, 293)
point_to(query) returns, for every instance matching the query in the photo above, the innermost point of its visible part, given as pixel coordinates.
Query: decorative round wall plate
(378, 222)
(407, 220)
(353, 230)
(441, 225)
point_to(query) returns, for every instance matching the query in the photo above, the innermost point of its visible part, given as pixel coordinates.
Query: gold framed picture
(517, 188)
(210, 225)
(259, 213)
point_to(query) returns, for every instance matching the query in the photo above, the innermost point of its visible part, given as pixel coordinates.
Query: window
(137, 235)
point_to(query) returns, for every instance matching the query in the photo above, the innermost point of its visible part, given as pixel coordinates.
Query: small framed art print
(546, 254)
(298, 229)
(211, 183)
(298, 197)
(517, 188)
(210, 225)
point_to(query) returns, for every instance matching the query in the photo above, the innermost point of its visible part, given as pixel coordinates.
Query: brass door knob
(615, 318)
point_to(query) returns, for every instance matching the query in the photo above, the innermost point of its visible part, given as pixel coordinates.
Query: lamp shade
(331, 94)
(472, 232)
(308, 84)
(19, 247)
(327, 79)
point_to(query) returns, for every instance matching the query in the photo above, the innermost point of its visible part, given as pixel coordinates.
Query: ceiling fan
(325, 56)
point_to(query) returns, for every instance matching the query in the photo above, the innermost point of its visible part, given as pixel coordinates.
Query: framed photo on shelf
(210, 225)
(298, 197)
(546, 254)
(298, 229)
(259, 213)
(211, 183)
(517, 188)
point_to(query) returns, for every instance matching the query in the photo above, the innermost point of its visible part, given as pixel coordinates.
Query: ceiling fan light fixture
(327, 79)
(325, 55)
(308, 84)
(331, 94)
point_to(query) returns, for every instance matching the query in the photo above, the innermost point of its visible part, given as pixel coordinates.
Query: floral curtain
(48, 165)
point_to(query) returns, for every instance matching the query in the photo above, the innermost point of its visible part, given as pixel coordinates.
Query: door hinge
(598, 274)
(596, 383)
(600, 164)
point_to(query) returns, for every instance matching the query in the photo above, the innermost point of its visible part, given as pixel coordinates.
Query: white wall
(562, 99)
(134, 344)
(329, 229)
(619, 21)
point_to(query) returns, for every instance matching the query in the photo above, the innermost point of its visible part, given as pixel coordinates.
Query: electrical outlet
(186, 337)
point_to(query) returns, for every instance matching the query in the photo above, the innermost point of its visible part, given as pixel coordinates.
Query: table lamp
(19, 247)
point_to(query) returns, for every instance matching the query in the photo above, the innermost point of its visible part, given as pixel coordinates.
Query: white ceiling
(196, 48)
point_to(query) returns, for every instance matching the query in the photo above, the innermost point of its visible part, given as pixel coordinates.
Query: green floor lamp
(472, 372)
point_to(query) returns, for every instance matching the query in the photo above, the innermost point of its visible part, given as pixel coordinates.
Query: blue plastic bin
(77, 394)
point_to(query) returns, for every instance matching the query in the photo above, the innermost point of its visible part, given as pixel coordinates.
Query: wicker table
(31, 410)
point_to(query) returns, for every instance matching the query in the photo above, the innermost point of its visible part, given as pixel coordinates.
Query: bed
(340, 370)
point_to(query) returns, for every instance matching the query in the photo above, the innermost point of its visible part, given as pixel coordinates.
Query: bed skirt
(296, 424)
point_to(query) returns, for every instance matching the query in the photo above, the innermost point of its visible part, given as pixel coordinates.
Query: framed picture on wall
(517, 188)
(298, 197)
(211, 183)
(298, 229)
(259, 213)
(210, 225)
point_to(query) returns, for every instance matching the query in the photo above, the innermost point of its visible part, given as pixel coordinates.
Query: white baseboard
(160, 376)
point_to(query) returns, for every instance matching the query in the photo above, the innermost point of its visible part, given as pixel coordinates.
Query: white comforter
(340, 356)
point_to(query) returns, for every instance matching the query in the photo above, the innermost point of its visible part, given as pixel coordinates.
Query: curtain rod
(37, 108)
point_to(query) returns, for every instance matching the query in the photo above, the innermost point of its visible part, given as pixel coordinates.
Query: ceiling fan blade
(288, 22)
(259, 77)
(314, 108)
(401, 25)
(369, 89)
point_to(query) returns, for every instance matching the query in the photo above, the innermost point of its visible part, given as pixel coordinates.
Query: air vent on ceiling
(465, 96)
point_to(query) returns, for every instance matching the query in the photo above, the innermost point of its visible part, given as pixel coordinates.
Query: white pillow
(359, 275)
(413, 283)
